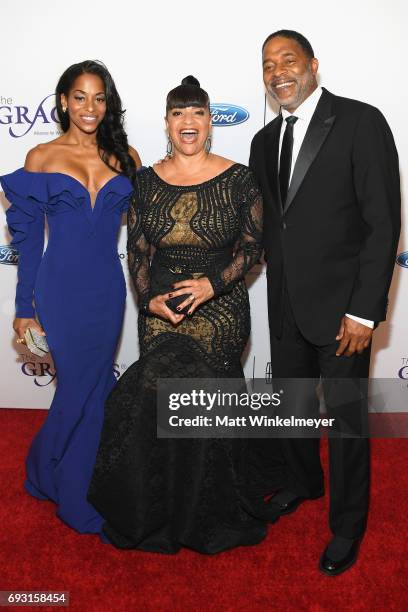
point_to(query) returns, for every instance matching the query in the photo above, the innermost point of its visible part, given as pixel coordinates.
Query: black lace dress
(163, 494)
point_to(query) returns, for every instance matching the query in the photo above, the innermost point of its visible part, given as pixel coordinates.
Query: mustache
(279, 81)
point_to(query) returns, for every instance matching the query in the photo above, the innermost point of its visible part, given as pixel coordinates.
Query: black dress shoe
(334, 568)
(288, 507)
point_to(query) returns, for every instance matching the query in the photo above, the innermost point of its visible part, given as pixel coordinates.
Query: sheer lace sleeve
(248, 247)
(138, 252)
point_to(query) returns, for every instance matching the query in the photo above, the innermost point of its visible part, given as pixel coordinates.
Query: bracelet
(144, 305)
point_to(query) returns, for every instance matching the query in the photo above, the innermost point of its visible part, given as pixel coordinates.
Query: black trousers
(293, 356)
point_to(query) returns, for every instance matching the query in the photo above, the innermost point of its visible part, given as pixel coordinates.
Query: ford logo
(402, 259)
(8, 255)
(227, 114)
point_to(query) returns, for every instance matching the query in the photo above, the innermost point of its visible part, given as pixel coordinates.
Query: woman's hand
(158, 307)
(201, 291)
(21, 325)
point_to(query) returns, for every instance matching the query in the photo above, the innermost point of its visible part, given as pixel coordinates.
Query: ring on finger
(20, 340)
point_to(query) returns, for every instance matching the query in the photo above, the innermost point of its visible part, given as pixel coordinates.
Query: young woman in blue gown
(74, 292)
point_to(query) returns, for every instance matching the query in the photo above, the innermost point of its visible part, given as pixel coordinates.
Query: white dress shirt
(304, 113)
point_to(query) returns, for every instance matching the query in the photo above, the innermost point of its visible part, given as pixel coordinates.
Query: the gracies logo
(22, 119)
(8, 255)
(227, 114)
(41, 372)
(402, 259)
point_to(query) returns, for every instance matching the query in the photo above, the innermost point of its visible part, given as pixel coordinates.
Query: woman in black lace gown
(203, 215)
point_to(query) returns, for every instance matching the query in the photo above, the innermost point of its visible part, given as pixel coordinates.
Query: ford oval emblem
(402, 259)
(227, 114)
(8, 255)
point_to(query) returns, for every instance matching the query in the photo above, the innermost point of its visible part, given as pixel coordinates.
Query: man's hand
(353, 336)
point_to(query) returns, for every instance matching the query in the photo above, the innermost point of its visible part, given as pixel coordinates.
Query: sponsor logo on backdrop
(227, 114)
(119, 369)
(8, 255)
(403, 371)
(20, 119)
(265, 366)
(41, 372)
(402, 259)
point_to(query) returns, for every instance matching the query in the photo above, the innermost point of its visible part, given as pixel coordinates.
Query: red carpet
(40, 553)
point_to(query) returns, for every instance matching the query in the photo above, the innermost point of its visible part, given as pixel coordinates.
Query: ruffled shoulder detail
(27, 195)
(119, 184)
(35, 193)
(24, 209)
(23, 185)
(116, 193)
(31, 191)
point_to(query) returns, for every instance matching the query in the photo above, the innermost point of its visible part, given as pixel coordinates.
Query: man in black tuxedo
(328, 170)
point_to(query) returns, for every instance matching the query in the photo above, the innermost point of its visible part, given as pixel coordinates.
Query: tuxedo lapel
(271, 157)
(319, 127)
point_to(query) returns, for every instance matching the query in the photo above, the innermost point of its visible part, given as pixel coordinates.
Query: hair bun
(190, 80)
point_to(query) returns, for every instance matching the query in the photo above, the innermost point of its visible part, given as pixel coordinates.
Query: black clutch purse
(161, 282)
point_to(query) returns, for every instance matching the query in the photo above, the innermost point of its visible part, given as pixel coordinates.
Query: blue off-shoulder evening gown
(78, 290)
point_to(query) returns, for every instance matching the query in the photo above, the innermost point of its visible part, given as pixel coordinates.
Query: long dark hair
(189, 93)
(111, 136)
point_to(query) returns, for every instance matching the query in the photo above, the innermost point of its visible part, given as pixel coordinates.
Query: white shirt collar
(307, 108)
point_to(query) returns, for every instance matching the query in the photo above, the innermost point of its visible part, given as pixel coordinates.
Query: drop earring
(169, 149)
(208, 144)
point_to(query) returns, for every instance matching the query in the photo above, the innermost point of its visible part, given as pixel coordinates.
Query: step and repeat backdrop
(149, 48)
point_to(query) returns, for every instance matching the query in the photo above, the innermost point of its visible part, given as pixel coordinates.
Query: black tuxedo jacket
(333, 243)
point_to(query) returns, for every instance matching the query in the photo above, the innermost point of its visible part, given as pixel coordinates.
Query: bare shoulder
(135, 155)
(222, 163)
(37, 158)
